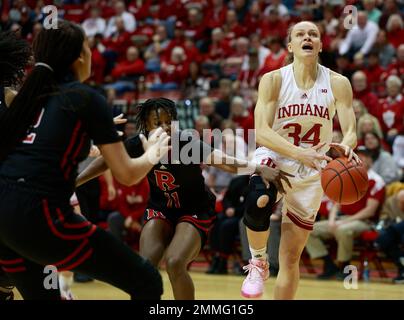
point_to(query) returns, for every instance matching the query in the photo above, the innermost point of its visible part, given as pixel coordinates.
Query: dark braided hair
(14, 56)
(144, 109)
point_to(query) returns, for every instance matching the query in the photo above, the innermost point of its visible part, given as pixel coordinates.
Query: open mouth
(307, 47)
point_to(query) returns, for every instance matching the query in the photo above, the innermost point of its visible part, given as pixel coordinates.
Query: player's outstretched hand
(311, 157)
(157, 146)
(346, 151)
(120, 120)
(275, 176)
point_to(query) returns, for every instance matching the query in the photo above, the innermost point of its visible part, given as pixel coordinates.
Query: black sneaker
(399, 279)
(213, 265)
(222, 266)
(328, 273)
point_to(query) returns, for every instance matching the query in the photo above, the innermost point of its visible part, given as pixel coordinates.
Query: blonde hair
(376, 125)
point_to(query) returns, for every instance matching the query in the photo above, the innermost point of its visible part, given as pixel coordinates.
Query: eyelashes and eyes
(311, 33)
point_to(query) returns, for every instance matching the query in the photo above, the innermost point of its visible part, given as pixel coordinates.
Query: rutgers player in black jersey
(44, 134)
(14, 56)
(181, 208)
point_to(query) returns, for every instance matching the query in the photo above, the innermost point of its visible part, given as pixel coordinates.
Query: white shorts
(302, 201)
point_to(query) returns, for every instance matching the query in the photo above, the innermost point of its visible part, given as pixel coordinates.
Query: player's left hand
(119, 119)
(347, 151)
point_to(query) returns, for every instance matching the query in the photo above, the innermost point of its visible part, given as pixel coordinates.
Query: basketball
(344, 182)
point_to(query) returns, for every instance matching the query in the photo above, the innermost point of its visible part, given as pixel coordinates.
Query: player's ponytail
(54, 52)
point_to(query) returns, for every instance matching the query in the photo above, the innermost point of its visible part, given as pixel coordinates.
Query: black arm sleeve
(134, 146)
(98, 120)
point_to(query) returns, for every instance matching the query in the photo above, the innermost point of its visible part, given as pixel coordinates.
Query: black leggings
(36, 231)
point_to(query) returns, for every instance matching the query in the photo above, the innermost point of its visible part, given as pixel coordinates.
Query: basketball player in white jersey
(293, 121)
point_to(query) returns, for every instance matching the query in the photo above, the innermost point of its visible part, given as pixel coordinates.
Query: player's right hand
(312, 158)
(275, 176)
(157, 146)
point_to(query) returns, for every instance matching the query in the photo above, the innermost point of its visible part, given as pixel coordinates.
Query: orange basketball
(343, 181)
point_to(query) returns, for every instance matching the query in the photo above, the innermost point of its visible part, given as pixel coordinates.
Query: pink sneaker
(66, 295)
(253, 285)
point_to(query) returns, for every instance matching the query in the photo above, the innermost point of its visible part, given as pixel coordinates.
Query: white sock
(65, 283)
(259, 254)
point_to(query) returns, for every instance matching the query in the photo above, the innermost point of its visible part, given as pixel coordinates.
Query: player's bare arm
(342, 91)
(230, 164)
(94, 170)
(9, 95)
(264, 115)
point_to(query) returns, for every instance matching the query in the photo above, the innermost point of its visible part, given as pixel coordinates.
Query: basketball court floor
(223, 287)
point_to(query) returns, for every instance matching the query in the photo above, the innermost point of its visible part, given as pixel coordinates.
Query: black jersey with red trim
(177, 188)
(60, 138)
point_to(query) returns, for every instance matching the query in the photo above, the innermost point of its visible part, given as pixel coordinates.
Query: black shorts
(38, 230)
(201, 221)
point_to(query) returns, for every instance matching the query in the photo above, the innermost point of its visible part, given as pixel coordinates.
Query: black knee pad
(256, 218)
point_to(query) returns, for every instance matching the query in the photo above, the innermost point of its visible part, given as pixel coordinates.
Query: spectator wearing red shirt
(98, 62)
(195, 27)
(219, 48)
(132, 66)
(362, 92)
(117, 44)
(173, 72)
(216, 12)
(177, 41)
(253, 18)
(277, 56)
(241, 116)
(248, 79)
(131, 204)
(272, 25)
(395, 30)
(127, 71)
(397, 68)
(374, 72)
(232, 27)
(392, 109)
(345, 222)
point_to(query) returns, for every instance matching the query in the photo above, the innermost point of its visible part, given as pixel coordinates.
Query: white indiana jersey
(304, 117)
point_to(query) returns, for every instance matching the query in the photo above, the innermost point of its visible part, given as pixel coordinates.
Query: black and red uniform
(177, 191)
(37, 224)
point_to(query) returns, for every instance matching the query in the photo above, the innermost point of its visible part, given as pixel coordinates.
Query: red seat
(370, 235)
(368, 252)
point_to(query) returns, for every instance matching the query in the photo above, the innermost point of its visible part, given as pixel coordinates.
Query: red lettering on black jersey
(165, 180)
(172, 200)
(154, 214)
